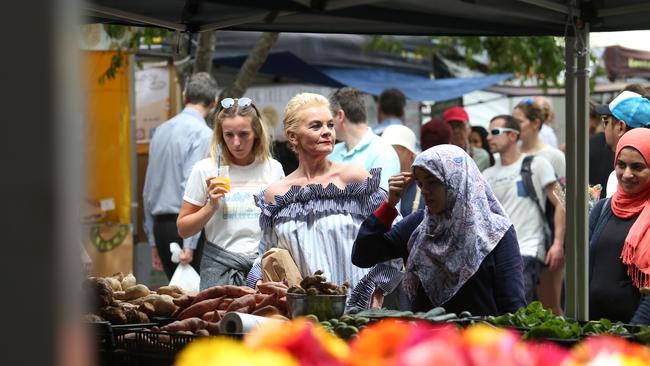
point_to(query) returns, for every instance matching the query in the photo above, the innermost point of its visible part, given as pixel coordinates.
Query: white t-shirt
(235, 225)
(556, 158)
(612, 184)
(507, 185)
(548, 136)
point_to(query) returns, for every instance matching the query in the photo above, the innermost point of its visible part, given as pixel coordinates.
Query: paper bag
(277, 265)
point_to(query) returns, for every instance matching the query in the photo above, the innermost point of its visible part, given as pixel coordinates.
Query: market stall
(236, 324)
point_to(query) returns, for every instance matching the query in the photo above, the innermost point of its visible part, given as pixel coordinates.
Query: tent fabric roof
(412, 17)
(371, 81)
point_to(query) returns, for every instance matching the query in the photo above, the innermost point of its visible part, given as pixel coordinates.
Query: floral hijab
(445, 250)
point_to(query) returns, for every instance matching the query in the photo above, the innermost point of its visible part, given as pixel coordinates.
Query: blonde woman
(316, 211)
(229, 216)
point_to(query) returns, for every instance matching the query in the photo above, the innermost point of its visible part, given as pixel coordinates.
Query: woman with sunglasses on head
(619, 238)
(228, 214)
(315, 212)
(532, 113)
(461, 251)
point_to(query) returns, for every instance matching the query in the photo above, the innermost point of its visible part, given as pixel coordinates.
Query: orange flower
(309, 344)
(609, 346)
(379, 343)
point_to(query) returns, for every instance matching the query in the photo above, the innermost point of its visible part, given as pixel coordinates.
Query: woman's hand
(397, 185)
(216, 191)
(156, 263)
(555, 255)
(187, 255)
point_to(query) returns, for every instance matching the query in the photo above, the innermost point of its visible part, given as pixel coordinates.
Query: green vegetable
(443, 318)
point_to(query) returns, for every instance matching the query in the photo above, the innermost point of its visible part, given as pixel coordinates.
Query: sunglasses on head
(242, 102)
(526, 101)
(499, 130)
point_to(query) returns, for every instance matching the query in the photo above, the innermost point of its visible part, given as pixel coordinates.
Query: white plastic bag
(185, 275)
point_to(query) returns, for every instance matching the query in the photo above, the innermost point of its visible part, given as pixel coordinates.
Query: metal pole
(582, 174)
(570, 240)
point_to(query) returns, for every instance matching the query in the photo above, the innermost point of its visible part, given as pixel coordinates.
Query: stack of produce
(318, 285)
(201, 313)
(119, 299)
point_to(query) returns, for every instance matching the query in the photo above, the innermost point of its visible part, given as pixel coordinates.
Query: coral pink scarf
(636, 250)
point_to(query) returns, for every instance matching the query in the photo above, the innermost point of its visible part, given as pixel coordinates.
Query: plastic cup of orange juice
(222, 177)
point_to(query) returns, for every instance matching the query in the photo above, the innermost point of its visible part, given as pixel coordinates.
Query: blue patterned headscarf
(446, 249)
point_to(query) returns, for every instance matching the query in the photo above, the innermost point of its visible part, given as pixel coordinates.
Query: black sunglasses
(242, 102)
(605, 120)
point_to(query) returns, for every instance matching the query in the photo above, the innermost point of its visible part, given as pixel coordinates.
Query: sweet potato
(184, 301)
(268, 310)
(212, 328)
(282, 303)
(202, 333)
(200, 308)
(272, 288)
(209, 293)
(246, 300)
(189, 324)
(216, 316)
(238, 291)
(208, 316)
(269, 300)
(223, 305)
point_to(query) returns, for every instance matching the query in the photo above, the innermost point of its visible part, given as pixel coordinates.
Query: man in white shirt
(359, 144)
(507, 184)
(174, 148)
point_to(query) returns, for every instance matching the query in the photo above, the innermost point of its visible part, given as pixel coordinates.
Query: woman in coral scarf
(619, 254)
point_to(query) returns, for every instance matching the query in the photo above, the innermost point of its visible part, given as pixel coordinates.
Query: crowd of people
(467, 218)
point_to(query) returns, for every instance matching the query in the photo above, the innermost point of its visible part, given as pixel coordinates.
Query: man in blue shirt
(174, 148)
(390, 106)
(359, 144)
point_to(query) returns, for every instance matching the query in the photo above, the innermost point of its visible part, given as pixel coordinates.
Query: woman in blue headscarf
(461, 251)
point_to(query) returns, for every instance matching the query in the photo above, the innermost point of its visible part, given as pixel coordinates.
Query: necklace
(105, 245)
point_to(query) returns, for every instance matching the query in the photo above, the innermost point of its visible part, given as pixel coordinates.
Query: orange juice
(222, 181)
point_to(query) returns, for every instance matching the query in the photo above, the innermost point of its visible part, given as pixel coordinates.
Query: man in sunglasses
(507, 183)
(174, 148)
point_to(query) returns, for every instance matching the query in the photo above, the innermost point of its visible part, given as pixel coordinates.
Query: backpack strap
(527, 178)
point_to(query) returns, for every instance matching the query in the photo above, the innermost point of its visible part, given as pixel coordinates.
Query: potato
(132, 293)
(164, 305)
(115, 284)
(128, 281)
(173, 291)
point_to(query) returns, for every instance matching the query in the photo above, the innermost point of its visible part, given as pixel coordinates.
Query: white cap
(400, 135)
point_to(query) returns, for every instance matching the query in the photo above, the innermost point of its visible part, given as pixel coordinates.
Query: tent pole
(577, 97)
(571, 292)
(580, 211)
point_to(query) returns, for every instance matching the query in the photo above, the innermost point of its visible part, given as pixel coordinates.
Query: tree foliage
(128, 40)
(529, 58)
